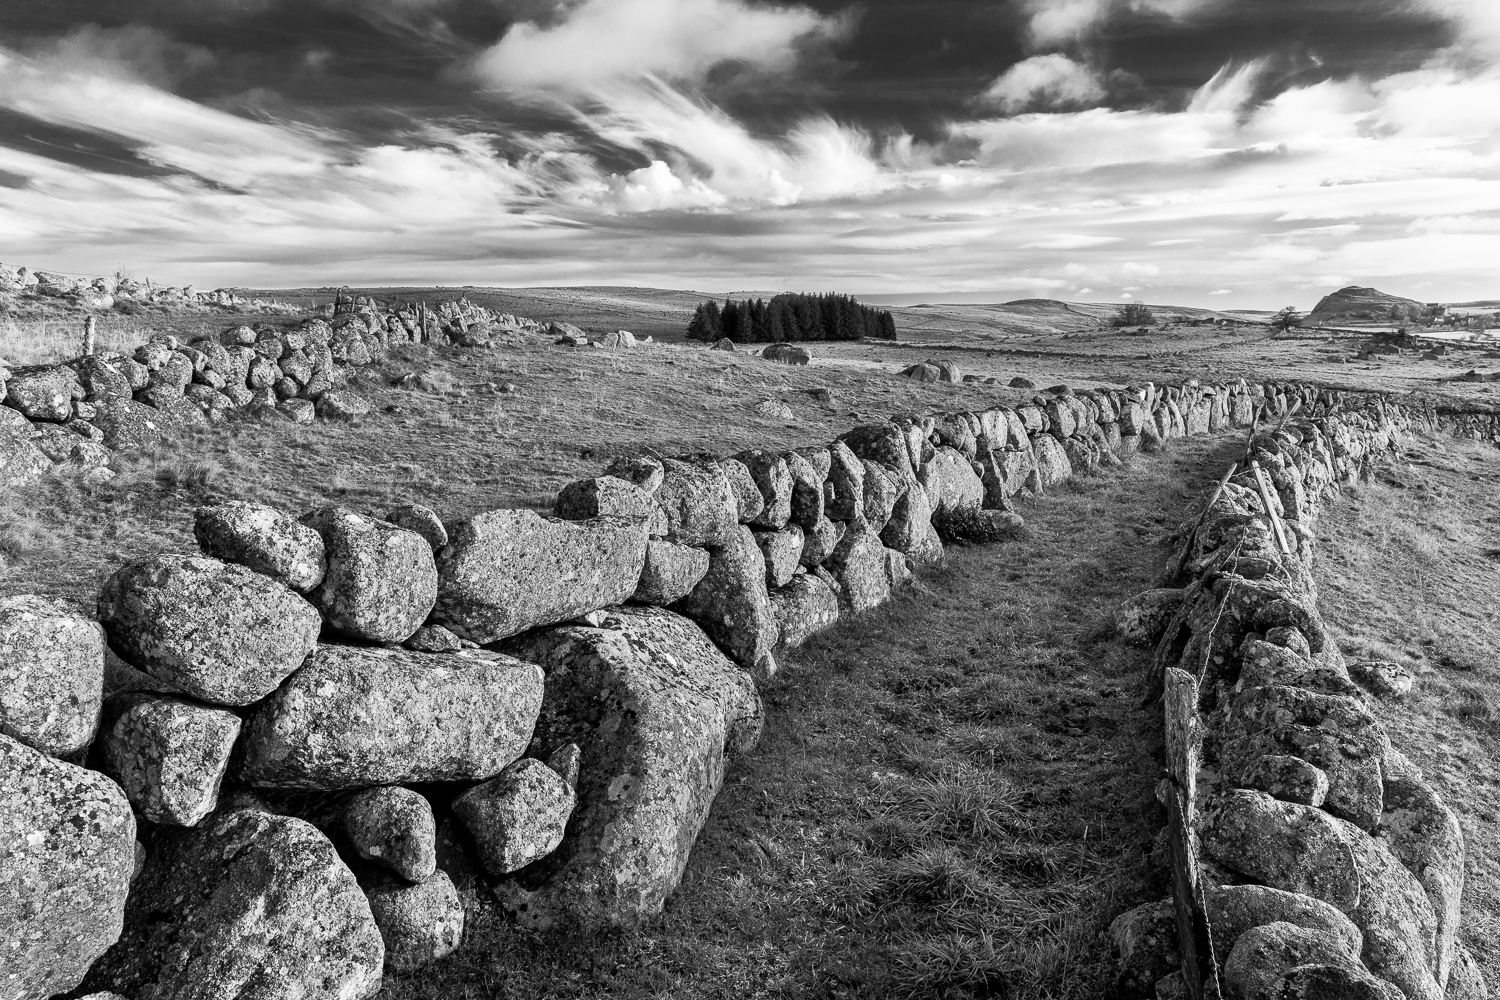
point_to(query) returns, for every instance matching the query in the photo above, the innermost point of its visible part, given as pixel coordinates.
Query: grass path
(953, 797)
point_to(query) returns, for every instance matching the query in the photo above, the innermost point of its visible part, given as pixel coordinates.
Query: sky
(1222, 153)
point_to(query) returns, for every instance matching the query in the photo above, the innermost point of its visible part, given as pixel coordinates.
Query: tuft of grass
(189, 474)
(24, 537)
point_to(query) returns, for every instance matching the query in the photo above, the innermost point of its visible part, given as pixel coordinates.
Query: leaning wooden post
(88, 336)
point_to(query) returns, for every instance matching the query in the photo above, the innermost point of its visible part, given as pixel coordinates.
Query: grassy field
(1410, 571)
(953, 797)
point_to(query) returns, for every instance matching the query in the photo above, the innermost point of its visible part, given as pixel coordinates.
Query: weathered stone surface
(884, 444)
(1234, 909)
(1396, 916)
(67, 851)
(1262, 954)
(774, 481)
(1383, 678)
(845, 490)
(1424, 835)
(219, 632)
(395, 827)
(731, 605)
(505, 571)
(1334, 982)
(1145, 943)
(358, 716)
(341, 404)
(518, 816)
(643, 471)
(421, 519)
(1141, 620)
(806, 507)
(434, 639)
(21, 461)
(43, 392)
(787, 354)
(264, 539)
(882, 490)
(803, 607)
(605, 496)
(819, 541)
(381, 581)
(782, 551)
(249, 904)
(130, 426)
(656, 708)
(169, 755)
(1283, 845)
(566, 761)
(101, 378)
(910, 528)
(1052, 462)
(670, 573)
(748, 502)
(950, 482)
(859, 564)
(51, 674)
(419, 924)
(1289, 779)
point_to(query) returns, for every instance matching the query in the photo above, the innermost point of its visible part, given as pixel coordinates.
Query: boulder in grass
(657, 709)
(421, 519)
(787, 354)
(804, 607)
(783, 553)
(393, 826)
(381, 581)
(67, 852)
(505, 571)
(51, 674)
(264, 539)
(341, 404)
(247, 904)
(698, 502)
(419, 924)
(221, 633)
(670, 572)
(518, 816)
(170, 755)
(731, 605)
(357, 716)
(43, 392)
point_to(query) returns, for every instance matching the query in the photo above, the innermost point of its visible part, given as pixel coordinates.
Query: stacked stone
(1318, 861)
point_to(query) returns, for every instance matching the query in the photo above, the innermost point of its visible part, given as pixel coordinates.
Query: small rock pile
(109, 292)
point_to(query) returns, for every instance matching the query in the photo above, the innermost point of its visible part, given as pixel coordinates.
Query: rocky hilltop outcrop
(1356, 305)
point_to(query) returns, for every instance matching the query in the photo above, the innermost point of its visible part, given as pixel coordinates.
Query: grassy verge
(953, 797)
(1409, 571)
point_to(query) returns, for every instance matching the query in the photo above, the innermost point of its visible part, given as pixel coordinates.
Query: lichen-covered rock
(433, 639)
(1141, 620)
(421, 519)
(21, 461)
(774, 480)
(1146, 949)
(670, 573)
(1290, 779)
(1425, 836)
(910, 528)
(845, 491)
(1383, 678)
(782, 551)
(749, 504)
(381, 581)
(395, 827)
(1234, 909)
(170, 755)
(221, 633)
(102, 379)
(341, 404)
(819, 542)
(51, 674)
(731, 605)
(518, 816)
(804, 607)
(418, 923)
(1286, 846)
(883, 444)
(806, 507)
(249, 904)
(1262, 954)
(129, 425)
(360, 715)
(882, 491)
(859, 564)
(656, 708)
(264, 539)
(505, 571)
(43, 392)
(566, 760)
(67, 851)
(605, 496)
(950, 482)
(1334, 982)
(1052, 462)
(644, 472)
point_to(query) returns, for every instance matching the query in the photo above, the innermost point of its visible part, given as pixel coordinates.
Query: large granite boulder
(129, 425)
(395, 827)
(221, 633)
(698, 501)
(381, 581)
(607, 496)
(806, 506)
(359, 715)
(950, 482)
(419, 923)
(859, 564)
(1262, 954)
(1286, 846)
(170, 755)
(518, 816)
(264, 539)
(43, 392)
(882, 490)
(749, 504)
(804, 607)
(783, 553)
(845, 484)
(1052, 462)
(656, 709)
(505, 571)
(67, 851)
(883, 444)
(730, 603)
(249, 904)
(910, 528)
(51, 674)
(1234, 909)
(670, 573)
(21, 461)
(774, 480)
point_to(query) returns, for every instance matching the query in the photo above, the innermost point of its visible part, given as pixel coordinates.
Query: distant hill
(1355, 305)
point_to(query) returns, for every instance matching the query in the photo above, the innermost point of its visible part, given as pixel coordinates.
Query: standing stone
(381, 582)
(418, 923)
(67, 851)
(395, 827)
(782, 551)
(51, 674)
(249, 904)
(655, 708)
(221, 633)
(670, 573)
(731, 604)
(505, 571)
(357, 716)
(518, 816)
(170, 756)
(804, 607)
(910, 527)
(264, 539)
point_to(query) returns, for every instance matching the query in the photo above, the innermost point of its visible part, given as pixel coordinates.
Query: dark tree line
(790, 316)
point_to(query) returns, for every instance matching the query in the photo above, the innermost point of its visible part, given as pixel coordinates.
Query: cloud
(1057, 23)
(1046, 81)
(601, 42)
(1068, 241)
(1222, 291)
(135, 52)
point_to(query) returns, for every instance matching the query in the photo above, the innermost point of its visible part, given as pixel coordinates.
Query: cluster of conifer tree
(790, 316)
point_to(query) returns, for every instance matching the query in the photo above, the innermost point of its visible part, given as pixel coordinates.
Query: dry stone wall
(329, 738)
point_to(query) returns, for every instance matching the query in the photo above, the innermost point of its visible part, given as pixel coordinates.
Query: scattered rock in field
(673, 708)
(731, 604)
(423, 520)
(394, 826)
(248, 904)
(1020, 382)
(724, 344)
(51, 674)
(556, 329)
(1383, 678)
(170, 755)
(619, 340)
(381, 581)
(357, 716)
(219, 632)
(670, 572)
(434, 639)
(418, 923)
(787, 354)
(774, 409)
(1141, 620)
(69, 851)
(922, 372)
(264, 539)
(341, 404)
(518, 816)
